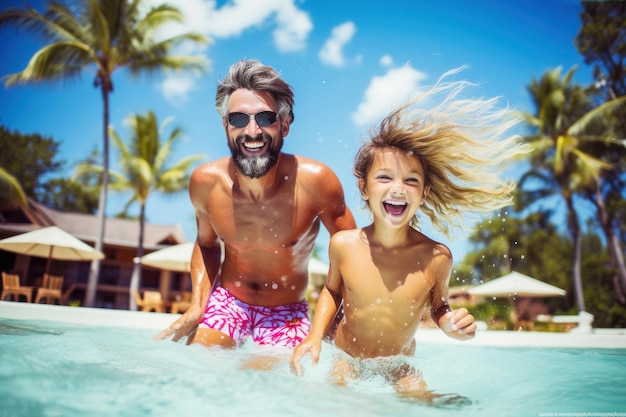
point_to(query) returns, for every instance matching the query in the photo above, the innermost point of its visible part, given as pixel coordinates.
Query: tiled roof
(118, 232)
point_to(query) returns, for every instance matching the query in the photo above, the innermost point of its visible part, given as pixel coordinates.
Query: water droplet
(274, 286)
(354, 339)
(378, 301)
(237, 284)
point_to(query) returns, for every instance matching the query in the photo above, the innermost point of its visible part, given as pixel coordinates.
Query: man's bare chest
(280, 223)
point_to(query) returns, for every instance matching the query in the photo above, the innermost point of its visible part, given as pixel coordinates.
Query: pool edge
(599, 338)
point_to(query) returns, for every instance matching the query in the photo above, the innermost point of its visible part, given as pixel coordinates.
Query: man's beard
(255, 166)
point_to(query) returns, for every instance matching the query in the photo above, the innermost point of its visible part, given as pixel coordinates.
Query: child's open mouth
(395, 208)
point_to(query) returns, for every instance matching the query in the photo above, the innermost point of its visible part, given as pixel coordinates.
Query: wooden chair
(51, 289)
(11, 286)
(152, 300)
(180, 306)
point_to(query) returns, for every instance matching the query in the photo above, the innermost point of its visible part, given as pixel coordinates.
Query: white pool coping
(599, 338)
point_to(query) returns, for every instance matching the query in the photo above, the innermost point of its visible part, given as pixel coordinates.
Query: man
(265, 206)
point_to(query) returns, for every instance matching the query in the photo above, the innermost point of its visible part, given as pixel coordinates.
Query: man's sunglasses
(263, 119)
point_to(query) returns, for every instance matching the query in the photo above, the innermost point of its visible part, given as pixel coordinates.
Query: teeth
(253, 145)
(396, 203)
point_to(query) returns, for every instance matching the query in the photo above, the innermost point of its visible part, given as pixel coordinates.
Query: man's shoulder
(216, 166)
(210, 172)
(314, 175)
(309, 164)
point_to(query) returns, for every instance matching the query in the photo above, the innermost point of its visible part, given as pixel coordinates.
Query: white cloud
(332, 50)
(386, 92)
(294, 26)
(291, 27)
(176, 87)
(386, 61)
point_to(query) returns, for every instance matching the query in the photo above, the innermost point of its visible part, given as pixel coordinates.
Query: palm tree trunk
(135, 280)
(615, 250)
(92, 283)
(572, 220)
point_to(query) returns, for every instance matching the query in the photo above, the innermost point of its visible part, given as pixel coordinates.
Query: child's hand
(458, 324)
(307, 346)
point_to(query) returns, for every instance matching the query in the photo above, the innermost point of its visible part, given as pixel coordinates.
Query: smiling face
(254, 149)
(394, 187)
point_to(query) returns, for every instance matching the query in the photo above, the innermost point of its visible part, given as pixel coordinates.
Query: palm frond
(597, 118)
(11, 192)
(57, 61)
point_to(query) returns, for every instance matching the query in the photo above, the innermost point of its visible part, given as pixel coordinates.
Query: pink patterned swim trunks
(285, 325)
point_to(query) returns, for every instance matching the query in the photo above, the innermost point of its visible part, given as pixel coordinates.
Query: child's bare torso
(385, 294)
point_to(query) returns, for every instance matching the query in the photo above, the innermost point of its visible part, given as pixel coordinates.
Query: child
(438, 161)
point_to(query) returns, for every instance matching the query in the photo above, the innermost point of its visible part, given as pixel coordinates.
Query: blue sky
(349, 63)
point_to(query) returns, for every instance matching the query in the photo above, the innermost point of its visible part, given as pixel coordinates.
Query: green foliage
(530, 245)
(533, 246)
(32, 160)
(497, 313)
(29, 158)
(602, 41)
(67, 195)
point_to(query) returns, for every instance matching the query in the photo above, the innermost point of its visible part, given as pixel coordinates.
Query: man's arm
(335, 214)
(205, 263)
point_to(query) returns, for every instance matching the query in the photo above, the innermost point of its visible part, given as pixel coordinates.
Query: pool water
(60, 369)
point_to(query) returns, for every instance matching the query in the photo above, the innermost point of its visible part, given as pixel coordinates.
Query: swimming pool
(64, 361)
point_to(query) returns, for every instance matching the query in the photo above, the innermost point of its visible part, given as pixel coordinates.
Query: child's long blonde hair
(462, 145)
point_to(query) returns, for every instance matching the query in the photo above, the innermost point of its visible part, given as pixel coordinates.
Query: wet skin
(268, 225)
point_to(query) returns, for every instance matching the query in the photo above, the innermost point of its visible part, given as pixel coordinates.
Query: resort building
(120, 249)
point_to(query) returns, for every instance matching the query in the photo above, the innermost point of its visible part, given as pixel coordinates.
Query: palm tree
(565, 124)
(101, 36)
(11, 192)
(144, 169)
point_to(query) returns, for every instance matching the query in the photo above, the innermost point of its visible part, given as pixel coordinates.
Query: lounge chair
(180, 306)
(152, 300)
(51, 289)
(11, 287)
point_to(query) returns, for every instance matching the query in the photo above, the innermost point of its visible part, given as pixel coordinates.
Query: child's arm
(325, 310)
(458, 324)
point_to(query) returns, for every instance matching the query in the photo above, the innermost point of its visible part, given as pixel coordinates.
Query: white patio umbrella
(51, 243)
(517, 284)
(174, 258)
(318, 271)
(178, 258)
(317, 267)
